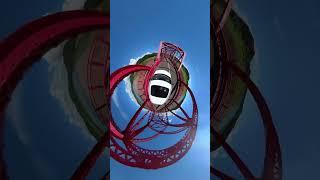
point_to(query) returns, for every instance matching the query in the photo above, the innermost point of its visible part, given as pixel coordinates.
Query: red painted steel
(272, 169)
(134, 155)
(24, 47)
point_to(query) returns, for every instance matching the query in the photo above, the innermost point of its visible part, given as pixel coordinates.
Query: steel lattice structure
(20, 52)
(26, 46)
(272, 169)
(134, 155)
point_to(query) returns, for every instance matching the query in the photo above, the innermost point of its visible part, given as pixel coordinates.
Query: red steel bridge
(154, 119)
(272, 169)
(25, 47)
(21, 49)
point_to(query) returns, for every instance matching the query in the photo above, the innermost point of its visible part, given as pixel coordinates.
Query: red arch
(24, 47)
(136, 156)
(272, 163)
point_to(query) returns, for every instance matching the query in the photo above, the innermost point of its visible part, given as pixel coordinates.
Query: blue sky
(137, 28)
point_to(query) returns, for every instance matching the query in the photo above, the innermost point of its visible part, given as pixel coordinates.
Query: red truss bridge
(272, 168)
(21, 49)
(124, 144)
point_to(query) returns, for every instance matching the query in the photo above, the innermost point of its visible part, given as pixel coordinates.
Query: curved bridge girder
(23, 48)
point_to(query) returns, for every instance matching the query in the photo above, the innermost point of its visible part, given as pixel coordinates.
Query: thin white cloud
(59, 87)
(115, 99)
(15, 116)
(58, 75)
(202, 139)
